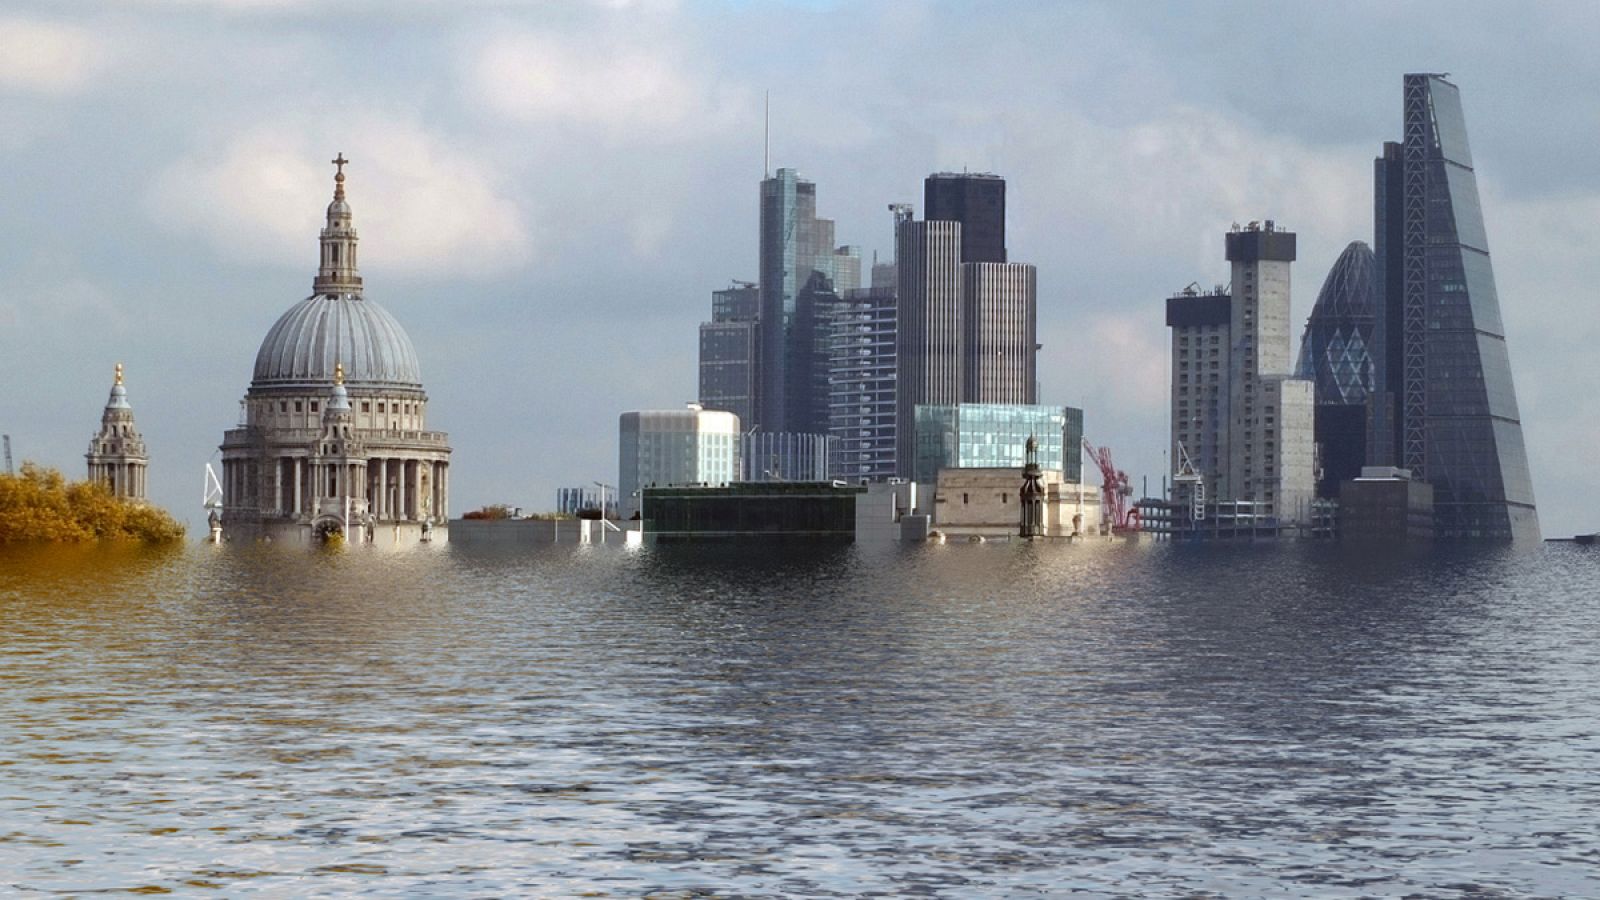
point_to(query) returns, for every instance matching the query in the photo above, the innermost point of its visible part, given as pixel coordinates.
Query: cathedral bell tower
(117, 456)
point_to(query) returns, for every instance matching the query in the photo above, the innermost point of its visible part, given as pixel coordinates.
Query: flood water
(960, 721)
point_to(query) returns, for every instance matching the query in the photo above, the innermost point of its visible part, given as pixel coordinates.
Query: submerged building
(1336, 356)
(967, 329)
(1242, 424)
(1445, 408)
(117, 456)
(862, 417)
(333, 434)
(996, 436)
(674, 447)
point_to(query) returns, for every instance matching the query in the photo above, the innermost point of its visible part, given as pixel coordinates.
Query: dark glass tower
(1446, 407)
(730, 352)
(978, 202)
(1335, 354)
(802, 274)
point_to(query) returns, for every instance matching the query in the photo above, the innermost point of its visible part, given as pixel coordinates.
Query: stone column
(294, 471)
(383, 488)
(400, 490)
(444, 491)
(277, 486)
(416, 489)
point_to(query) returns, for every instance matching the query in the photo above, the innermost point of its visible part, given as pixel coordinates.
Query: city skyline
(171, 239)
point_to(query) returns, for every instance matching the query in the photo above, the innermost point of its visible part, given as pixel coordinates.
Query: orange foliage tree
(38, 504)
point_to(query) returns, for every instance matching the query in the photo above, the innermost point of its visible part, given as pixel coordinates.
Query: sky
(548, 192)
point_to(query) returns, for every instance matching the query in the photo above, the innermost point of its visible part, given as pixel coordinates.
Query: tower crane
(1115, 489)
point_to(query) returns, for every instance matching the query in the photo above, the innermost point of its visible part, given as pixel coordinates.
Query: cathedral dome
(326, 330)
(336, 324)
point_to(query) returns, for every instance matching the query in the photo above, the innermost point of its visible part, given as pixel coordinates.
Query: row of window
(366, 407)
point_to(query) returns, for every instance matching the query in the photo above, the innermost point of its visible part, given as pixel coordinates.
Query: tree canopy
(39, 504)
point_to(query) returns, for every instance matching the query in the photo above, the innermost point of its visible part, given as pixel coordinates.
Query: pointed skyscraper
(1446, 408)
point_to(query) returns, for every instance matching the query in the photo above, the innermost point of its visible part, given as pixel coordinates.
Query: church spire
(338, 273)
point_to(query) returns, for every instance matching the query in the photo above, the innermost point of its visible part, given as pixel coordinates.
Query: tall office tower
(1335, 355)
(928, 343)
(801, 273)
(863, 387)
(1271, 454)
(834, 273)
(788, 222)
(968, 319)
(1202, 358)
(883, 275)
(730, 351)
(978, 202)
(1446, 407)
(1000, 324)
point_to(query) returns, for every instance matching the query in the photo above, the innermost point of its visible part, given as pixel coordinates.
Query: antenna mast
(766, 141)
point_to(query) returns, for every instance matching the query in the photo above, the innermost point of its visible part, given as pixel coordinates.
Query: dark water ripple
(996, 721)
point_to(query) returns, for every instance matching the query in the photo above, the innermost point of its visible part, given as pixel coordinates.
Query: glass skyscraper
(802, 275)
(1336, 355)
(995, 435)
(730, 351)
(1446, 408)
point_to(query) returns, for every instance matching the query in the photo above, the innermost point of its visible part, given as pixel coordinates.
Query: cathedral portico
(334, 432)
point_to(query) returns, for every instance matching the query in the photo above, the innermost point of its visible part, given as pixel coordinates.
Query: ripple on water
(995, 720)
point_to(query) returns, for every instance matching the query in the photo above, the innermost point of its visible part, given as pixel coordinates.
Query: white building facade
(664, 447)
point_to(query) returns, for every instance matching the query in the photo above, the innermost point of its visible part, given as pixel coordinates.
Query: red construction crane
(1115, 490)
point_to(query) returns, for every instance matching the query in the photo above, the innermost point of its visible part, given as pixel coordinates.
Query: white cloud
(48, 57)
(421, 205)
(628, 88)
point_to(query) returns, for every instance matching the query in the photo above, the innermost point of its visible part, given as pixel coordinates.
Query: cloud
(627, 88)
(48, 57)
(422, 205)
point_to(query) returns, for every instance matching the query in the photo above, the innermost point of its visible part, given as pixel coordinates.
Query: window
(283, 406)
(297, 406)
(313, 406)
(366, 406)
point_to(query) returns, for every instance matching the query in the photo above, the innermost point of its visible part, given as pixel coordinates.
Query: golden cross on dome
(341, 162)
(338, 373)
(119, 373)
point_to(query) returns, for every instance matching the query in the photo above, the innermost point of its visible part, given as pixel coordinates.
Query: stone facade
(988, 502)
(333, 434)
(117, 456)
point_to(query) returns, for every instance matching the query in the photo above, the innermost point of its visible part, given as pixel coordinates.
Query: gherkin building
(1334, 351)
(1335, 354)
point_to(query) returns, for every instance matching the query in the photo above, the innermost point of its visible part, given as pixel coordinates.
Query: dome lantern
(338, 273)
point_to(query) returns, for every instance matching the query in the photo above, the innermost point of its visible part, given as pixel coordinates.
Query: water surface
(959, 721)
